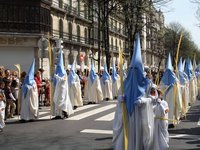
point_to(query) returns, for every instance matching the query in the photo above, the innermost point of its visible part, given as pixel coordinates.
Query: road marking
(94, 131)
(92, 112)
(108, 117)
(85, 107)
(179, 135)
(198, 123)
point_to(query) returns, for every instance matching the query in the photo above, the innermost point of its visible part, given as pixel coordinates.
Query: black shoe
(56, 117)
(93, 102)
(22, 121)
(89, 102)
(107, 99)
(75, 107)
(171, 126)
(65, 115)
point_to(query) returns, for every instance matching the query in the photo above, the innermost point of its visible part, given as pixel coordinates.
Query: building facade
(23, 23)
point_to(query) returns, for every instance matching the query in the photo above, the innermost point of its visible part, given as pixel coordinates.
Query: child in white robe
(161, 135)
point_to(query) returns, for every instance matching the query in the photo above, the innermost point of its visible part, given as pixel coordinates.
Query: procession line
(92, 112)
(94, 131)
(108, 117)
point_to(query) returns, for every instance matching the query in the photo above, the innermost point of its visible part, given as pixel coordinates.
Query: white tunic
(61, 97)
(75, 93)
(2, 114)
(29, 104)
(93, 91)
(107, 88)
(161, 135)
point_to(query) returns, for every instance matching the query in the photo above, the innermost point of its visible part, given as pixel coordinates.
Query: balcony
(74, 39)
(114, 48)
(70, 10)
(31, 17)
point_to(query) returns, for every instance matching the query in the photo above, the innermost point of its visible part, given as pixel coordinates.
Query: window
(86, 36)
(78, 7)
(70, 30)
(61, 28)
(85, 11)
(60, 3)
(78, 33)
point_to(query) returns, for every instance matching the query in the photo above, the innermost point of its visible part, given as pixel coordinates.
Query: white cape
(29, 104)
(140, 127)
(93, 91)
(75, 93)
(107, 88)
(61, 97)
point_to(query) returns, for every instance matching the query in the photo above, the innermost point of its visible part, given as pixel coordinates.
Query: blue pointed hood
(114, 73)
(169, 77)
(182, 76)
(180, 65)
(92, 73)
(29, 79)
(105, 75)
(72, 74)
(188, 68)
(136, 83)
(60, 69)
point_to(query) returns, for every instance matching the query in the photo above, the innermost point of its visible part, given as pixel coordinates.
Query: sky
(183, 12)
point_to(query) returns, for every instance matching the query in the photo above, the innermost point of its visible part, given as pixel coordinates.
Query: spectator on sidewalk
(10, 100)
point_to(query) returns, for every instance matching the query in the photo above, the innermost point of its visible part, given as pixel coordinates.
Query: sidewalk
(186, 135)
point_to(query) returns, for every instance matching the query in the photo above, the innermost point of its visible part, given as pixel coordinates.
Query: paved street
(89, 128)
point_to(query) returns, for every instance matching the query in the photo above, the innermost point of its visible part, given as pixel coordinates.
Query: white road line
(108, 117)
(198, 123)
(85, 107)
(44, 112)
(94, 131)
(92, 112)
(179, 135)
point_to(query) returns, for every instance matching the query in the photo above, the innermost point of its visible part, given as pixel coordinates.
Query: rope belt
(171, 120)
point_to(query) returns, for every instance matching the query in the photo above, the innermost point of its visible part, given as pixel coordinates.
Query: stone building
(23, 23)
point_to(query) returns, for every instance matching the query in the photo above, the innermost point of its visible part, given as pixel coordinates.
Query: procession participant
(115, 82)
(184, 84)
(192, 89)
(74, 88)
(172, 92)
(62, 107)
(161, 135)
(93, 91)
(29, 101)
(106, 84)
(140, 112)
(2, 106)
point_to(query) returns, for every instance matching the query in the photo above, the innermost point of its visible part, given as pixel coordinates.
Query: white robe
(29, 104)
(2, 114)
(185, 98)
(107, 88)
(75, 93)
(192, 91)
(93, 91)
(173, 95)
(140, 127)
(161, 135)
(118, 132)
(115, 87)
(61, 97)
